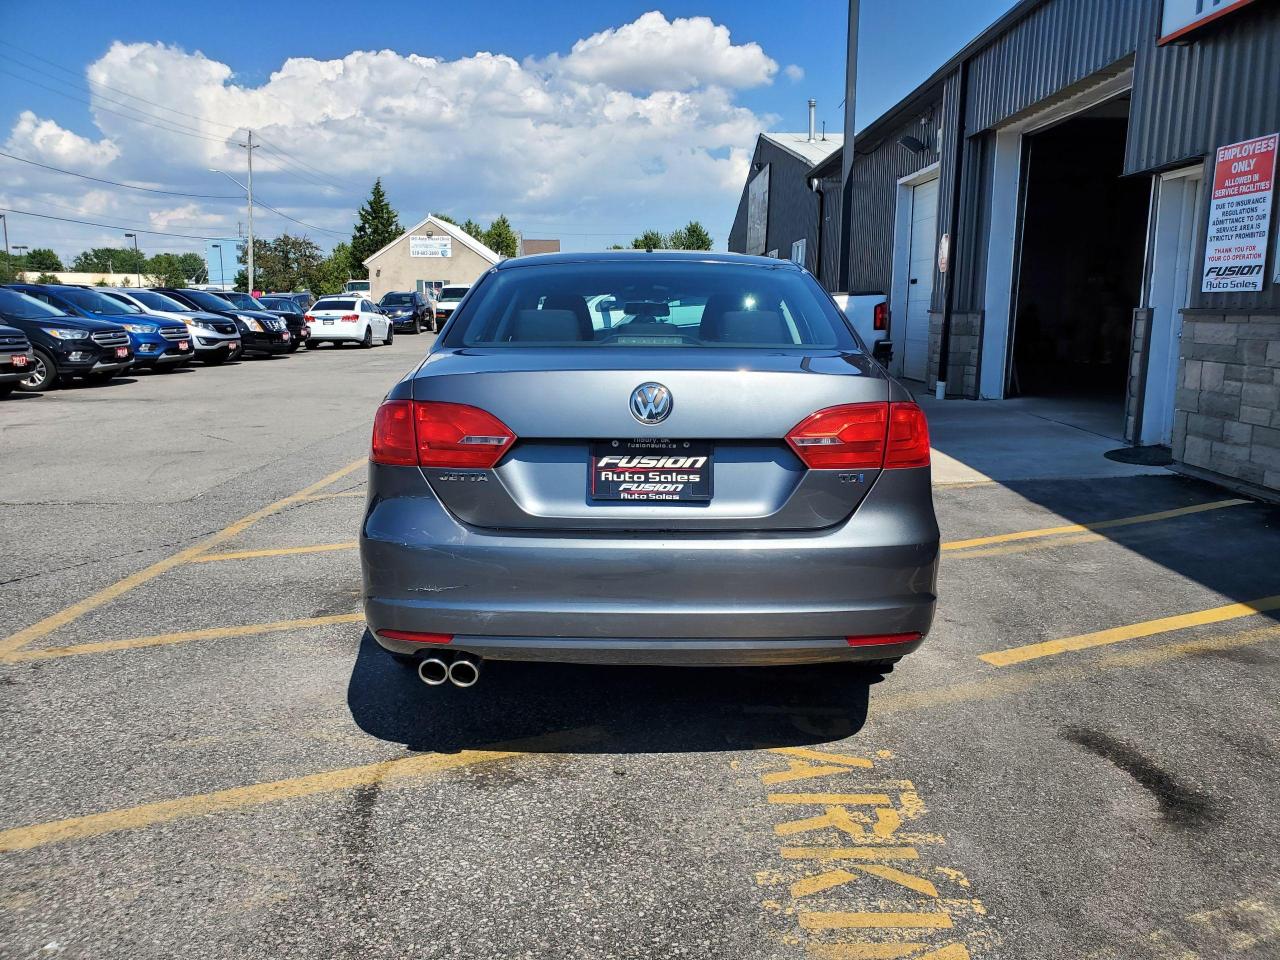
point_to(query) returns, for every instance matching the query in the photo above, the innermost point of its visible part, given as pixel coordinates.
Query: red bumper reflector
(412, 636)
(881, 639)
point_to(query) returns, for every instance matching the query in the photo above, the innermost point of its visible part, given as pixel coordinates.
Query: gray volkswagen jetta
(648, 458)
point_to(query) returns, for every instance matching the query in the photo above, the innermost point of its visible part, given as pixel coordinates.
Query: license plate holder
(122, 353)
(651, 471)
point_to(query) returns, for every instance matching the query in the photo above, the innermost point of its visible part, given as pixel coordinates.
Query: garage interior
(1079, 274)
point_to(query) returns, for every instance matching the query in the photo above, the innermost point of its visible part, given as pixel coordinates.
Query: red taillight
(880, 317)
(863, 436)
(881, 639)
(842, 438)
(394, 439)
(414, 637)
(908, 437)
(309, 318)
(351, 318)
(432, 434)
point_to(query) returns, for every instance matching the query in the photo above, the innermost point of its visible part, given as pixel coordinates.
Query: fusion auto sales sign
(1235, 254)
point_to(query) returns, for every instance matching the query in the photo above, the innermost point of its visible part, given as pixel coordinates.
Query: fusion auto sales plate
(644, 471)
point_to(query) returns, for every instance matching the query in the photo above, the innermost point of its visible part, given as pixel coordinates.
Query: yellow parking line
(1087, 527)
(121, 587)
(164, 639)
(331, 781)
(1133, 631)
(280, 552)
(333, 496)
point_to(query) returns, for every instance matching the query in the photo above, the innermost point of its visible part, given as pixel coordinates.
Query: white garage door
(924, 248)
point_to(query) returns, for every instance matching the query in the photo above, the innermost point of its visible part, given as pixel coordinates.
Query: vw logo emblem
(651, 403)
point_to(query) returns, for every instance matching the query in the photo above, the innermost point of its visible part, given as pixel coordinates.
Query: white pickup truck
(869, 314)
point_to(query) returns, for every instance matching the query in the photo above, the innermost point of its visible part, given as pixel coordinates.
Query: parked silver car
(654, 458)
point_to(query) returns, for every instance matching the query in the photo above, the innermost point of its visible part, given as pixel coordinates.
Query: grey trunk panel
(559, 401)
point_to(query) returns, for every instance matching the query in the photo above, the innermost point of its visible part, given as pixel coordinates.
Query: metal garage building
(1079, 206)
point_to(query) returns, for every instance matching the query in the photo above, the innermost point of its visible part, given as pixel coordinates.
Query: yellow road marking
(886, 951)
(1088, 527)
(824, 799)
(1052, 543)
(1147, 628)
(186, 636)
(221, 801)
(278, 552)
(862, 921)
(121, 587)
(333, 496)
(849, 853)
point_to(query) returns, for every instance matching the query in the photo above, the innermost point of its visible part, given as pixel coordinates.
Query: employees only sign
(1235, 253)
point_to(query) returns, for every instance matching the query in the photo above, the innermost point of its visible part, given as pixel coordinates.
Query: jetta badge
(651, 403)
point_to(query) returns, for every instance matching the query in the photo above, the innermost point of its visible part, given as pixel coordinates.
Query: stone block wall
(962, 366)
(1228, 401)
(1133, 394)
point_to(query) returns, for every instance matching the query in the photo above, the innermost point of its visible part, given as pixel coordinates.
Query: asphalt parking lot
(205, 755)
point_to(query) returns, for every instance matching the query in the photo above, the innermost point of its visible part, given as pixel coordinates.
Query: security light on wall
(914, 144)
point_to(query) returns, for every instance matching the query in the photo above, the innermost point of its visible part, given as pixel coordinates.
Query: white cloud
(793, 72)
(47, 142)
(637, 125)
(654, 53)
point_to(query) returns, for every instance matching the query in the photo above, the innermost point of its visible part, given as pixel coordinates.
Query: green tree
(649, 240)
(501, 238)
(285, 263)
(692, 236)
(9, 267)
(615, 246)
(192, 265)
(42, 258)
(377, 224)
(168, 270)
(474, 229)
(110, 260)
(446, 218)
(332, 272)
(100, 282)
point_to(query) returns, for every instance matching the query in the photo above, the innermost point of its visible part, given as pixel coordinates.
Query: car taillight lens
(880, 317)
(309, 318)
(351, 318)
(863, 436)
(840, 438)
(908, 437)
(433, 434)
(394, 438)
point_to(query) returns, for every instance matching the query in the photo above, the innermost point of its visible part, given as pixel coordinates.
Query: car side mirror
(882, 352)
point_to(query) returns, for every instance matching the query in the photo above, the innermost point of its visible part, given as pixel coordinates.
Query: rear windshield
(96, 302)
(651, 304)
(19, 306)
(241, 300)
(207, 300)
(335, 305)
(397, 300)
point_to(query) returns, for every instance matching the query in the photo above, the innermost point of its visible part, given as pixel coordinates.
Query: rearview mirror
(882, 352)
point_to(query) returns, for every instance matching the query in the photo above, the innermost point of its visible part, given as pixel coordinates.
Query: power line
(259, 203)
(299, 163)
(116, 183)
(106, 226)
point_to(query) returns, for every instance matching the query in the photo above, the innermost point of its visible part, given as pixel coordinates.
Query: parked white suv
(346, 318)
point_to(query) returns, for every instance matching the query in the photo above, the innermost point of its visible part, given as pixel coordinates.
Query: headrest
(554, 326)
(753, 326)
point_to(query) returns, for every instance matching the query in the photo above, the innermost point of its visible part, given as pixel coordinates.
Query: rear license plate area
(651, 471)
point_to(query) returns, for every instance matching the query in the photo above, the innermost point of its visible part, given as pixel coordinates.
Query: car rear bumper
(662, 598)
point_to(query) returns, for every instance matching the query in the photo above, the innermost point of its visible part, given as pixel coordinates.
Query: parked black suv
(410, 311)
(15, 359)
(285, 308)
(260, 334)
(64, 346)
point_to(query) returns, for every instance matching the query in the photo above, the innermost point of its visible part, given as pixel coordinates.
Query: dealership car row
(52, 333)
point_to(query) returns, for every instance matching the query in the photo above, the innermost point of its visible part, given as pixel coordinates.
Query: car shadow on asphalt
(526, 706)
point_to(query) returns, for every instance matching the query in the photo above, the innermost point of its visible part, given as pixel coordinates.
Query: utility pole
(249, 146)
(847, 148)
(6, 237)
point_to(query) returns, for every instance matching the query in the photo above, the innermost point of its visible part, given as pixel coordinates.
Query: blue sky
(591, 147)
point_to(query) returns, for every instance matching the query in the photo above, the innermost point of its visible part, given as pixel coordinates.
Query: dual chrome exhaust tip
(462, 671)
